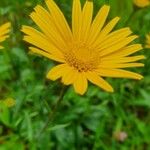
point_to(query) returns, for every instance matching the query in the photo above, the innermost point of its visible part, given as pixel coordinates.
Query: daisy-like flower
(142, 3)
(9, 102)
(87, 52)
(148, 40)
(4, 30)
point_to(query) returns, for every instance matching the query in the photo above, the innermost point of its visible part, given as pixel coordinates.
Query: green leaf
(57, 127)
(4, 114)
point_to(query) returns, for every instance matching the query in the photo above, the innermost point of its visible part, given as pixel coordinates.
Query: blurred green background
(95, 121)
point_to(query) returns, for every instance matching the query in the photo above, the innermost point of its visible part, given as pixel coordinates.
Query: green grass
(81, 123)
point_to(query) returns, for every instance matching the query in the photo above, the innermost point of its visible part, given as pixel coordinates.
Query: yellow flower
(9, 102)
(148, 40)
(89, 51)
(4, 30)
(142, 3)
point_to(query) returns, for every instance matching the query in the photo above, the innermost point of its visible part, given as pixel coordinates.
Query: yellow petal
(117, 46)
(118, 73)
(123, 59)
(147, 41)
(107, 29)
(80, 84)
(4, 30)
(87, 19)
(59, 20)
(125, 65)
(114, 38)
(44, 20)
(97, 80)
(56, 72)
(4, 33)
(58, 58)
(125, 51)
(98, 23)
(147, 46)
(76, 19)
(39, 40)
(2, 38)
(141, 3)
(69, 76)
(4, 27)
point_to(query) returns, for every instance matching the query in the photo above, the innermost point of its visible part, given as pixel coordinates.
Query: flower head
(88, 52)
(142, 3)
(4, 30)
(9, 102)
(148, 40)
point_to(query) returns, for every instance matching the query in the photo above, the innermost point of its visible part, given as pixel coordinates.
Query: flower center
(82, 58)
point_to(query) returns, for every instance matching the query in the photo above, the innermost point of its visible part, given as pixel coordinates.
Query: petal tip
(140, 77)
(118, 18)
(50, 76)
(106, 6)
(111, 90)
(80, 92)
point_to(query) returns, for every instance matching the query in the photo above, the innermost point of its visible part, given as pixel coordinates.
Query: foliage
(85, 123)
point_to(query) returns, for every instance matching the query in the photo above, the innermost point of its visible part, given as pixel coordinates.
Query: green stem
(54, 109)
